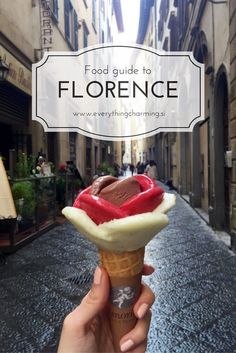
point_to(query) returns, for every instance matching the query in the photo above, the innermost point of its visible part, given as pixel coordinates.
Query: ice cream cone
(125, 272)
(121, 230)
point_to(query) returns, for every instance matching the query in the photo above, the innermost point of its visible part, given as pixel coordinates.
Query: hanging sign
(18, 74)
(46, 25)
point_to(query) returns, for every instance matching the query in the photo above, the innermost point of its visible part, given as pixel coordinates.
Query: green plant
(24, 165)
(24, 196)
(60, 189)
(53, 168)
(105, 169)
(77, 184)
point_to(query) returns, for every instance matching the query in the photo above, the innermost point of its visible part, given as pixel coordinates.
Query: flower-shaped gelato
(121, 226)
(109, 198)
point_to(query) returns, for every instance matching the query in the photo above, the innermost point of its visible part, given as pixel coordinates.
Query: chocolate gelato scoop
(101, 183)
(120, 191)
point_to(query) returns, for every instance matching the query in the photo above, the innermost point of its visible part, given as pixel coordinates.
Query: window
(167, 5)
(94, 16)
(173, 32)
(186, 16)
(108, 31)
(54, 9)
(164, 9)
(160, 29)
(103, 9)
(71, 24)
(88, 156)
(72, 141)
(165, 44)
(85, 33)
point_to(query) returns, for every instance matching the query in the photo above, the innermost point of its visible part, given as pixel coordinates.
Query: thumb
(93, 302)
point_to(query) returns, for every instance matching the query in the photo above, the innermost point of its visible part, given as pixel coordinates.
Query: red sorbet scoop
(115, 198)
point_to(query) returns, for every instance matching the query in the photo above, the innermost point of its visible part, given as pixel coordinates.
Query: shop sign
(46, 26)
(18, 74)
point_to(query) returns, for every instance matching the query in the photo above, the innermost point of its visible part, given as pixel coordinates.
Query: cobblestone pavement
(194, 283)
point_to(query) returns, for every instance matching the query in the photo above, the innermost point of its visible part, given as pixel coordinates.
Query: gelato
(114, 199)
(121, 217)
(120, 191)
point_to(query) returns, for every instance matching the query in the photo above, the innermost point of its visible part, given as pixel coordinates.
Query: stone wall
(232, 129)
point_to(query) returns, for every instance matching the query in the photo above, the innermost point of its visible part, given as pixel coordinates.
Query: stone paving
(194, 283)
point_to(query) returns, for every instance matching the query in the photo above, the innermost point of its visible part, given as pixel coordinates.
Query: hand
(87, 330)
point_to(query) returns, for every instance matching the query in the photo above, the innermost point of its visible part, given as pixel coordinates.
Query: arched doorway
(185, 152)
(221, 145)
(200, 141)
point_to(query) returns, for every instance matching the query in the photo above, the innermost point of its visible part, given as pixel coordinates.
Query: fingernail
(126, 345)
(142, 310)
(97, 276)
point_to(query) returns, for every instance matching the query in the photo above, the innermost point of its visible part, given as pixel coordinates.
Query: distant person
(145, 165)
(131, 167)
(124, 168)
(151, 170)
(73, 169)
(116, 169)
(169, 183)
(140, 167)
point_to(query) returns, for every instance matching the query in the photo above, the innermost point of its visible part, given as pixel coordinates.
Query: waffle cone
(125, 264)
(125, 272)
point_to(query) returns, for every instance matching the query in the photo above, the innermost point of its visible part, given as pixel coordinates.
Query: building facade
(144, 149)
(232, 113)
(27, 30)
(110, 23)
(201, 163)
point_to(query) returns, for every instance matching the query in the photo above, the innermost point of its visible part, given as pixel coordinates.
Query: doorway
(6, 142)
(221, 144)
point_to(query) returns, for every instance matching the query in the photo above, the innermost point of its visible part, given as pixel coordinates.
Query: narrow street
(194, 283)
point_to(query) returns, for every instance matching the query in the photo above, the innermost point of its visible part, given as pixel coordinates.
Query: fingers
(136, 340)
(91, 304)
(148, 270)
(144, 302)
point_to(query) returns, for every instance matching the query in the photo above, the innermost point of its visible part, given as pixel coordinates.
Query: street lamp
(4, 69)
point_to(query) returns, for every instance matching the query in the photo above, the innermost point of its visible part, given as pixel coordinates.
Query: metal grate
(14, 104)
(81, 279)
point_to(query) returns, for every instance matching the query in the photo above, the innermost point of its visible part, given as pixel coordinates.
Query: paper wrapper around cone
(125, 272)
(7, 207)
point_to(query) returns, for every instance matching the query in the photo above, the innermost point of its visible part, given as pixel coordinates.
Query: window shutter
(76, 27)
(94, 13)
(55, 8)
(67, 20)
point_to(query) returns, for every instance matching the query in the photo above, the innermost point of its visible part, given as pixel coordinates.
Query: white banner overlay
(117, 92)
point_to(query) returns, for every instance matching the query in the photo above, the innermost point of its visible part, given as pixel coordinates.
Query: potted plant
(24, 166)
(105, 169)
(24, 197)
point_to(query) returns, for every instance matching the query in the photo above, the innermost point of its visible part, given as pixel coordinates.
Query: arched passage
(200, 140)
(221, 145)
